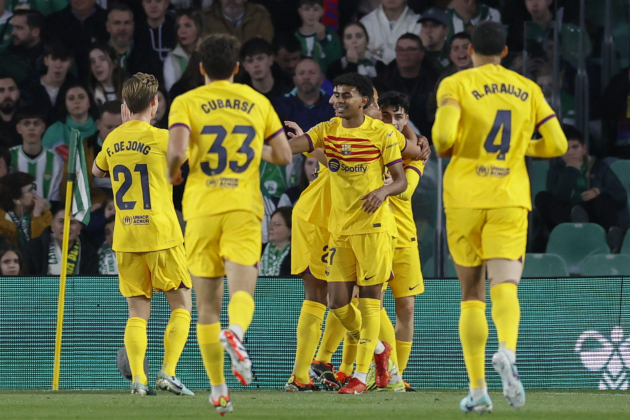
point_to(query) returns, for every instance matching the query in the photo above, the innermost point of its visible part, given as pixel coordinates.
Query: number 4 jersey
(134, 154)
(499, 112)
(228, 124)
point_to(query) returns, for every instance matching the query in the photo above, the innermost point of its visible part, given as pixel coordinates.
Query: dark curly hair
(363, 84)
(394, 99)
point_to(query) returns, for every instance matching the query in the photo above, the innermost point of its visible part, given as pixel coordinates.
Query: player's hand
(95, 207)
(39, 205)
(320, 30)
(125, 113)
(573, 162)
(425, 149)
(387, 178)
(352, 55)
(588, 195)
(298, 130)
(373, 200)
(178, 179)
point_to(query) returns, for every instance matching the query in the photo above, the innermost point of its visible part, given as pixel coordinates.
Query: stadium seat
(606, 265)
(544, 265)
(538, 176)
(621, 168)
(574, 242)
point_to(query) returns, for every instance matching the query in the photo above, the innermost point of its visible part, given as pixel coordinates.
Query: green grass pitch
(108, 405)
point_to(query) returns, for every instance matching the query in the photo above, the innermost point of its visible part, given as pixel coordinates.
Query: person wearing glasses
(23, 213)
(410, 74)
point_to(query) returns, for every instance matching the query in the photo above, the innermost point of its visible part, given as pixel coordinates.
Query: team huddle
(353, 229)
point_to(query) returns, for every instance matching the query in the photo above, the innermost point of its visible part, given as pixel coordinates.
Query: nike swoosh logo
(390, 134)
(364, 341)
(370, 278)
(411, 288)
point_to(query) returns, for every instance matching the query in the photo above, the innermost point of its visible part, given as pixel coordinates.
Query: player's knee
(405, 310)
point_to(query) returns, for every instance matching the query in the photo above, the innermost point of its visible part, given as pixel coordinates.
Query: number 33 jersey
(228, 123)
(134, 154)
(499, 112)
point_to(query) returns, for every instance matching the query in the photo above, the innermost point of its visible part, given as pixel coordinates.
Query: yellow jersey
(500, 110)
(228, 124)
(314, 202)
(357, 158)
(401, 205)
(134, 154)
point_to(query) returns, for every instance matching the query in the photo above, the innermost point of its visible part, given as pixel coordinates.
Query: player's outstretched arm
(278, 151)
(553, 142)
(375, 199)
(300, 144)
(178, 139)
(445, 126)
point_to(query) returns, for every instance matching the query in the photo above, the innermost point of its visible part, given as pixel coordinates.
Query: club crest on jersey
(346, 149)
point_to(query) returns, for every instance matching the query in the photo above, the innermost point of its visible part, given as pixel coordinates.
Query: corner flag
(81, 201)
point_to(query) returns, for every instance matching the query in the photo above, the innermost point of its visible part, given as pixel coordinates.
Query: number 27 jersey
(228, 124)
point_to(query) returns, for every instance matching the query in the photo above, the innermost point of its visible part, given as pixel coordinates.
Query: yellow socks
(241, 312)
(473, 333)
(211, 351)
(387, 334)
(309, 330)
(370, 326)
(506, 314)
(403, 350)
(350, 317)
(349, 355)
(334, 332)
(136, 345)
(175, 337)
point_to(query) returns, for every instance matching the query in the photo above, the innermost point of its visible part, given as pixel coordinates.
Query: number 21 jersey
(500, 110)
(134, 154)
(228, 124)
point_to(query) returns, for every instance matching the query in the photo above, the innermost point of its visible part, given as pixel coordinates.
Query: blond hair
(138, 91)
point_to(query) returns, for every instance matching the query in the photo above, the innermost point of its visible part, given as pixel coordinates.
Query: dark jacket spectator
(9, 103)
(23, 58)
(612, 108)
(254, 20)
(151, 47)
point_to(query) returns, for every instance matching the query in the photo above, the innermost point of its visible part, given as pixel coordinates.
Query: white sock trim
(478, 392)
(219, 390)
(380, 347)
(360, 376)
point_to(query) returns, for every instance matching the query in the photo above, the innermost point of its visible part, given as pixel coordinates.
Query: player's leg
(464, 228)
(387, 334)
(507, 227)
(405, 307)
(349, 352)
(134, 282)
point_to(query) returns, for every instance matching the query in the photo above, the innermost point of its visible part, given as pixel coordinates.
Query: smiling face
(459, 54)
(77, 101)
(354, 38)
(187, 31)
(348, 102)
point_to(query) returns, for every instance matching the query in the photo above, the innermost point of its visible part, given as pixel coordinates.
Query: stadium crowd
(63, 63)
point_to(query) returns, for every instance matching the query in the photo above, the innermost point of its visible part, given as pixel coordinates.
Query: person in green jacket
(319, 42)
(77, 106)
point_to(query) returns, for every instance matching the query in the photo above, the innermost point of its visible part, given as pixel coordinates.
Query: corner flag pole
(74, 138)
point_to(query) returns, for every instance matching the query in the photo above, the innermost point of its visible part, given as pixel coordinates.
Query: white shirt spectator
(384, 34)
(174, 66)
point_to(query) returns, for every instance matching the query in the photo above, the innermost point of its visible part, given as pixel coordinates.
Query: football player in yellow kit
(148, 240)
(227, 129)
(486, 118)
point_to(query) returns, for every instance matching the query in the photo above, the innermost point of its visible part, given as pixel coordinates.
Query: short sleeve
(447, 90)
(179, 115)
(544, 112)
(101, 160)
(391, 147)
(273, 126)
(316, 136)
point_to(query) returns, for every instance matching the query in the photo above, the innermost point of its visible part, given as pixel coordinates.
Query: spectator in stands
(386, 24)
(76, 107)
(23, 58)
(48, 90)
(309, 170)
(5, 161)
(107, 265)
(120, 26)
(240, 18)
(319, 42)
(79, 25)
(357, 58)
(435, 29)
(276, 255)
(613, 108)
(465, 14)
(581, 189)
(257, 60)
(23, 213)
(99, 215)
(46, 7)
(189, 28)
(154, 38)
(191, 78)
(540, 28)
(43, 164)
(287, 53)
(160, 120)
(11, 263)
(43, 255)
(410, 75)
(106, 77)
(306, 105)
(5, 26)
(9, 101)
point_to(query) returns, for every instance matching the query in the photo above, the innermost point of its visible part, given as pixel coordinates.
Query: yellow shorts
(235, 236)
(408, 280)
(477, 235)
(365, 259)
(141, 272)
(309, 248)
